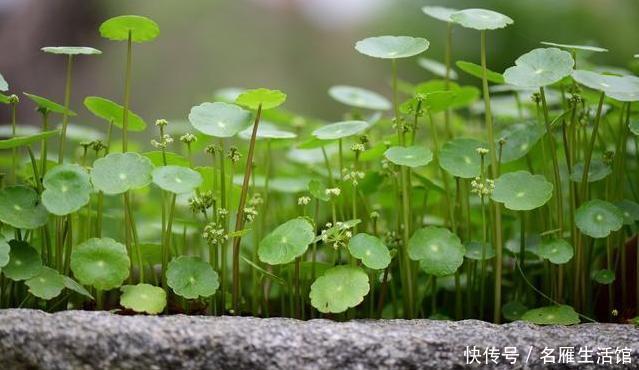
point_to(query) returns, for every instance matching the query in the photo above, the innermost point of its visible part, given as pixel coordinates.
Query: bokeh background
(299, 46)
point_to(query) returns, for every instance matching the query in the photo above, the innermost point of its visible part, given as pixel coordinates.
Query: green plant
(427, 204)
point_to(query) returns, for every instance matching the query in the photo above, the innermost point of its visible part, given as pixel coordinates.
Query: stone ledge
(78, 340)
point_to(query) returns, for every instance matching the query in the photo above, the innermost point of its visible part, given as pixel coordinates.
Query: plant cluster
(516, 200)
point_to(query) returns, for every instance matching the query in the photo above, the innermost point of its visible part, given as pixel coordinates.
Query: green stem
(65, 115)
(239, 220)
(14, 151)
(555, 164)
(588, 157)
(497, 235)
(43, 145)
(127, 95)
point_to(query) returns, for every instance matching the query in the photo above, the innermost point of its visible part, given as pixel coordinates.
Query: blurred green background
(299, 46)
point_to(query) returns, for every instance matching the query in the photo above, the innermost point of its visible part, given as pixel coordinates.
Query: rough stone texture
(80, 340)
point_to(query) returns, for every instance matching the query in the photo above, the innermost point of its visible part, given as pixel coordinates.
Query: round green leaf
(598, 170)
(21, 208)
(540, 67)
(522, 191)
(513, 311)
(268, 99)
(475, 250)
(5, 248)
(176, 179)
(481, 19)
(370, 250)
(338, 289)
(410, 156)
(576, 47)
(477, 71)
(192, 277)
(141, 29)
(439, 12)
(392, 47)
(113, 112)
(552, 315)
(557, 251)
(100, 262)
(24, 261)
(598, 218)
(436, 68)
(120, 172)
(439, 251)
(520, 139)
(604, 276)
(340, 130)
(287, 242)
(630, 211)
(459, 157)
(143, 298)
(47, 284)
(359, 98)
(622, 88)
(219, 119)
(66, 189)
(49, 105)
(71, 50)
(266, 130)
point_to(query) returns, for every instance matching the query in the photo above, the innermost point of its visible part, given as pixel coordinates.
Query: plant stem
(588, 157)
(43, 145)
(166, 245)
(555, 164)
(14, 151)
(497, 236)
(127, 95)
(65, 115)
(239, 220)
(447, 61)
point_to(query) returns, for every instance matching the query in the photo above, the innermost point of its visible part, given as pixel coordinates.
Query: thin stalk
(555, 165)
(239, 221)
(43, 144)
(65, 115)
(447, 61)
(14, 151)
(127, 95)
(588, 157)
(497, 236)
(223, 247)
(166, 243)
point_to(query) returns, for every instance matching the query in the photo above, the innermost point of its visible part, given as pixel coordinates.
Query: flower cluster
(482, 187)
(212, 149)
(214, 234)
(358, 147)
(353, 175)
(98, 146)
(303, 200)
(256, 200)
(222, 213)
(200, 203)
(337, 235)
(164, 141)
(188, 138)
(482, 151)
(250, 213)
(234, 154)
(333, 192)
